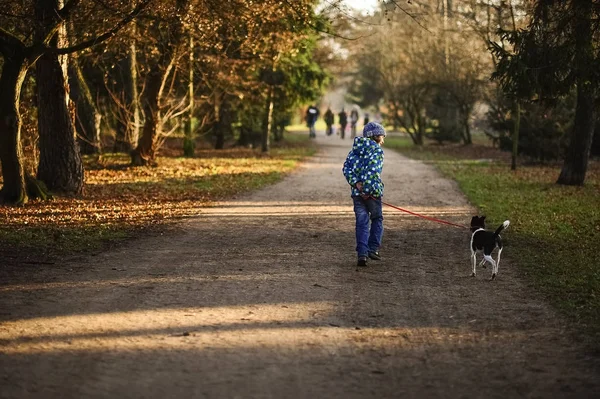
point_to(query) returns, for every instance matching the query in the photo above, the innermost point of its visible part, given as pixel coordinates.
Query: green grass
(554, 232)
(301, 127)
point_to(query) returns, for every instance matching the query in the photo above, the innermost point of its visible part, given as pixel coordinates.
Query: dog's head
(477, 222)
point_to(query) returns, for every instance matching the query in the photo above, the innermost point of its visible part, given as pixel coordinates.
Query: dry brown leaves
(121, 196)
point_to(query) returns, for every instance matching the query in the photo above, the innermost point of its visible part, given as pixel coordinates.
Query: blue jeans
(369, 225)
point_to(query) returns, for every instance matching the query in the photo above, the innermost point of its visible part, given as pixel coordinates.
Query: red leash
(425, 217)
(462, 226)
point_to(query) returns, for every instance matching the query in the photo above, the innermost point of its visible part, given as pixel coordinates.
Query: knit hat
(373, 129)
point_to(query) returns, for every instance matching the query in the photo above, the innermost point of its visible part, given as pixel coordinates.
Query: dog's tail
(502, 227)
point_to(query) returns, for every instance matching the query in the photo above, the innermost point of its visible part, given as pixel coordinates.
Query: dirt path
(259, 297)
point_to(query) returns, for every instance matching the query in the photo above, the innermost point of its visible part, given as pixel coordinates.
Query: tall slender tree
(125, 79)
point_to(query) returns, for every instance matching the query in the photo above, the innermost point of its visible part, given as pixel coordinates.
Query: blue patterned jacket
(364, 164)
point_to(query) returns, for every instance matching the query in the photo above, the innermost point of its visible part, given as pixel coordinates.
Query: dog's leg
(498, 261)
(474, 260)
(482, 263)
(491, 262)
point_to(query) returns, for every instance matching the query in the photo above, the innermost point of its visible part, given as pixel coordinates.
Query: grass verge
(121, 201)
(554, 230)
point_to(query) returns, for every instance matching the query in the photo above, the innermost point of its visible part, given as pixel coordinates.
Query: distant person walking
(366, 121)
(329, 119)
(353, 121)
(312, 113)
(343, 118)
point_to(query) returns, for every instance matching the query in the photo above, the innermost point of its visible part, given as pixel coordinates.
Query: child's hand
(359, 187)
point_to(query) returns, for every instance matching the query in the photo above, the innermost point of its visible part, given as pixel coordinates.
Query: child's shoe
(362, 261)
(375, 255)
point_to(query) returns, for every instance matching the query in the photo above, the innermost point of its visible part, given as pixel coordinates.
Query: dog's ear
(482, 218)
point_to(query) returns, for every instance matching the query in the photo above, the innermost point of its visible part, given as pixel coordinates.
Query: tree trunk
(133, 95)
(406, 128)
(145, 152)
(87, 116)
(189, 142)
(419, 137)
(219, 127)
(420, 126)
(13, 74)
(128, 126)
(576, 160)
(60, 166)
(268, 121)
(465, 112)
(468, 137)
(278, 131)
(220, 136)
(223, 124)
(245, 137)
(216, 125)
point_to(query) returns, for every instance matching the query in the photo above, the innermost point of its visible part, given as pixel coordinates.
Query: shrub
(450, 134)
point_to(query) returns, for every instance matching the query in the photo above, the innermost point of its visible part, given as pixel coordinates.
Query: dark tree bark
(13, 74)
(468, 139)
(223, 124)
(60, 166)
(576, 160)
(464, 110)
(145, 152)
(87, 116)
(245, 139)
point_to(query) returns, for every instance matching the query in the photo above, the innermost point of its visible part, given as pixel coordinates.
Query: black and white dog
(486, 241)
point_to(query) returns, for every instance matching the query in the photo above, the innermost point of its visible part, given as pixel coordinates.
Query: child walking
(362, 170)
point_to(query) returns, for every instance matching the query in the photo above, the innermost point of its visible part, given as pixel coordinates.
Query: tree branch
(103, 37)
(8, 41)
(395, 3)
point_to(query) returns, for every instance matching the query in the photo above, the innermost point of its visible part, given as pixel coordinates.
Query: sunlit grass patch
(119, 200)
(554, 231)
(302, 128)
